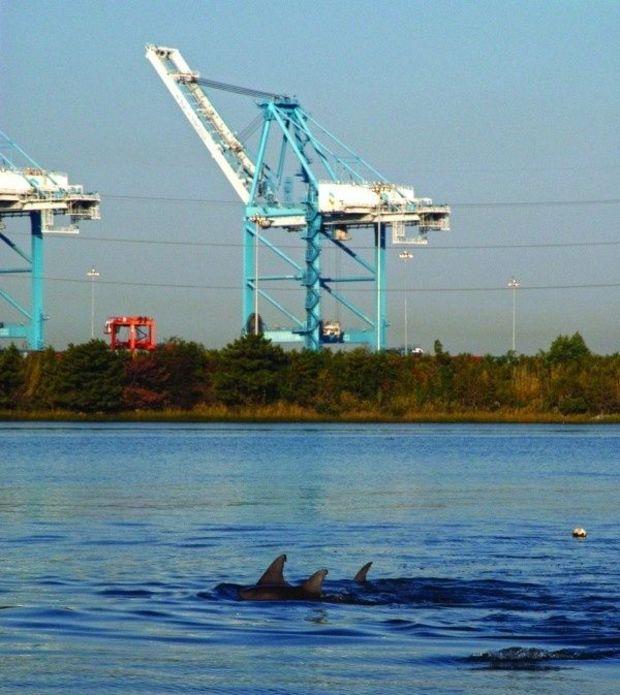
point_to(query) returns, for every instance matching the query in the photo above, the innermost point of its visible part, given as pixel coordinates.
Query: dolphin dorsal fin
(360, 577)
(314, 584)
(274, 573)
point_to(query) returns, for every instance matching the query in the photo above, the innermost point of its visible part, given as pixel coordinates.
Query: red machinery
(131, 332)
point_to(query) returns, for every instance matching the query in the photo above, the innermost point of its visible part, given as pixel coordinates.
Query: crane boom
(221, 142)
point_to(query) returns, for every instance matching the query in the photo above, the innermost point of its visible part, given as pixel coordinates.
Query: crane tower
(304, 180)
(28, 190)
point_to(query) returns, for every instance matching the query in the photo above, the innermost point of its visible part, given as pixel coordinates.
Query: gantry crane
(304, 180)
(131, 333)
(28, 190)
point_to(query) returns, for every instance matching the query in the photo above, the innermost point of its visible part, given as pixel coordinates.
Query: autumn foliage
(253, 373)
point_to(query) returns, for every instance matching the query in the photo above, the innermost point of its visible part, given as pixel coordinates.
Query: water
(122, 548)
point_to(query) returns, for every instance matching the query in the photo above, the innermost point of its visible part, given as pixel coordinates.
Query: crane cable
(236, 89)
(392, 290)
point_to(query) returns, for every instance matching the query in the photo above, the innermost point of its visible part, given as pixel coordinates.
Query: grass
(281, 412)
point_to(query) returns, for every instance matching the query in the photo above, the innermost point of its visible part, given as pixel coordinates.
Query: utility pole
(93, 275)
(256, 228)
(514, 285)
(406, 256)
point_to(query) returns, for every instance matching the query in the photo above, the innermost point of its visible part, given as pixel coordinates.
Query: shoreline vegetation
(277, 414)
(252, 380)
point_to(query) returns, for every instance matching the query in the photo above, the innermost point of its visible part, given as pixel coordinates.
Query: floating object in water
(579, 532)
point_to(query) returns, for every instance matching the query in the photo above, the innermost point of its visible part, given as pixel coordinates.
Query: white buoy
(579, 532)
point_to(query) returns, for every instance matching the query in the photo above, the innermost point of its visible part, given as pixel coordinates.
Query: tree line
(252, 372)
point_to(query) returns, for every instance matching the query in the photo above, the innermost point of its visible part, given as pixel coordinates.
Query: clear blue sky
(473, 103)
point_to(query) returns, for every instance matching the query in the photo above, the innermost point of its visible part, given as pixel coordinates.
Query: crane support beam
(36, 340)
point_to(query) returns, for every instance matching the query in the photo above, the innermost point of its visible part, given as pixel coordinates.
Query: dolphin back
(274, 574)
(314, 584)
(360, 577)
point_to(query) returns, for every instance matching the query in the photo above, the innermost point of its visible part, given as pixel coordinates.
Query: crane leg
(36, 334)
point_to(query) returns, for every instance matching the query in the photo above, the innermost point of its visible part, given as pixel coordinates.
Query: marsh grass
(285, 412)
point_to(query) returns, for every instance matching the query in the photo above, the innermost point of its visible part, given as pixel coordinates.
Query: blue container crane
(28, 190)
(303, 179)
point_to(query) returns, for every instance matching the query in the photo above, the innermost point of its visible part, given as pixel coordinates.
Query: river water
(122, 548)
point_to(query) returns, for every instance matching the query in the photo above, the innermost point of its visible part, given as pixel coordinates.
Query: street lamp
(92, 274)
(514, 285)
(406, 256)
(256, 228)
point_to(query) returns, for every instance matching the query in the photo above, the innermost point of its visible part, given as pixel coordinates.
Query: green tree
(11, 377)
(301, 384)
(567, 349)
(367, 376)
(180, 372)
(40, 370)
(90, 378)
(250, 371)
(443, 387)
(443, 356)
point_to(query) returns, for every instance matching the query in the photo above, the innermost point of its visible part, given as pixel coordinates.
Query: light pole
(256, 228)
(406, 256)
(514, 284)
(93, 275)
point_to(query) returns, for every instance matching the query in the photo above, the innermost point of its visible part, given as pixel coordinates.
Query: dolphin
(360, 577)
(272, 586)
(274, 574)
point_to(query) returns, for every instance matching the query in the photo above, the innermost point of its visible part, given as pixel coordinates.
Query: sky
(507, 111)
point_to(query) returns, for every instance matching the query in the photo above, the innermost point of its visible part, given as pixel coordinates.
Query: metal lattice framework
(303, 179)
(28, 190)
